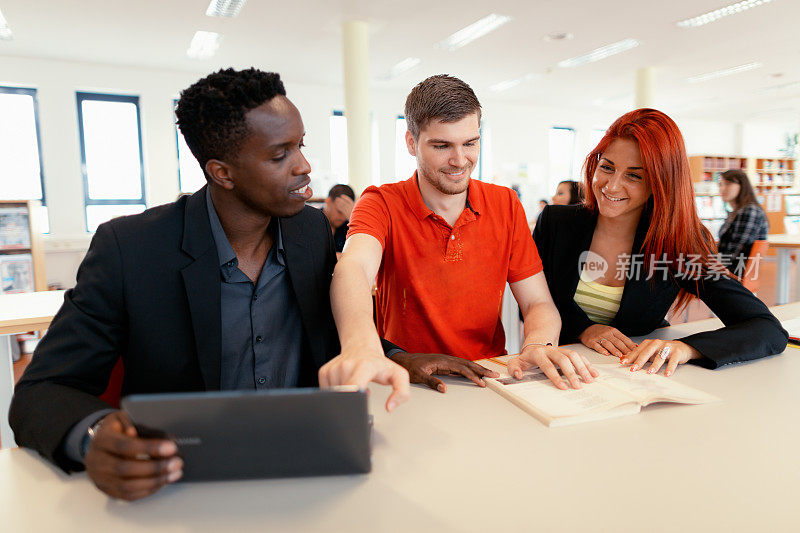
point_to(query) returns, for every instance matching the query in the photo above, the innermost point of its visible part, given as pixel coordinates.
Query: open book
(616, 392)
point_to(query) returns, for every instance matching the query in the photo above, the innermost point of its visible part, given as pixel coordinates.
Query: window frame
(574, 148)
(80, 97)
(178, 150)
(32, 92)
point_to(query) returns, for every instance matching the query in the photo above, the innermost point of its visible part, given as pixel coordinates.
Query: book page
(650, 388)
(536, 389)
(792, 326)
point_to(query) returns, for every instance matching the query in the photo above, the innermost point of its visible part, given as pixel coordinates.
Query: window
(562, 152)
(340, 171)
(404, 163)
(191, 177)
(339, 167)
(111, 156)
(594, 137)
(20, 148)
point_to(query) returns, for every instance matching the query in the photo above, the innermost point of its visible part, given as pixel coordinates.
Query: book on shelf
(616, 392)
(16, 273)
(14, 228)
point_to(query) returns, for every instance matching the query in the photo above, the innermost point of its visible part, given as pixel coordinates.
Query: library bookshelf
(773, 179)
(22, 266)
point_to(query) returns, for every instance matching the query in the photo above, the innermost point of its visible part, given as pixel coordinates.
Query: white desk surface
(468, 460)
(28, 311)
(783, 240)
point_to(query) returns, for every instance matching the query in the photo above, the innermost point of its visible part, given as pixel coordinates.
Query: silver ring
(601, 340)
(663, 353)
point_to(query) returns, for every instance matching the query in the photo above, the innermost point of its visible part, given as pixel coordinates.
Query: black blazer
(562, 233)
(148, 291)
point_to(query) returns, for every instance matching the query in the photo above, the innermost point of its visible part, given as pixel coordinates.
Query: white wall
(519, 138)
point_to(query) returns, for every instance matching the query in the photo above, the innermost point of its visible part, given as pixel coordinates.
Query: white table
(468, 460)
(785, 245)
(20, 313)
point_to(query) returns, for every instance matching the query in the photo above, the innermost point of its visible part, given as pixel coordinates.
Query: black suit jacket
(562, 233)
(148, 291)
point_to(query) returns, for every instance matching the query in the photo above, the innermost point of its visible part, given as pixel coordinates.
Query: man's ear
(411, 144)
(220, 173)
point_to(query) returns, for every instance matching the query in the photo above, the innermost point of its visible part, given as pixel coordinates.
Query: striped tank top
(599, 302)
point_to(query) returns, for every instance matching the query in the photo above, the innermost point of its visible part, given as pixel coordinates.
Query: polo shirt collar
(422, 211)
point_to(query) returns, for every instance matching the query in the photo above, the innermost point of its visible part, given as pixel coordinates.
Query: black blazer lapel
(201, 280)
(300, 266)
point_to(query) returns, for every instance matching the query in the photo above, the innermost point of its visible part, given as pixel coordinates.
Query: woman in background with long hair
(568, 192)
(616, 263)
(746, 223)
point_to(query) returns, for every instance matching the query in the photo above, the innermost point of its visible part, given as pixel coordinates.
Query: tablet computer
(259, 434)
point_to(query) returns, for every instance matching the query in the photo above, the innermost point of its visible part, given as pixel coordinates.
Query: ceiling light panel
(722, 73)
(784, 87)
(204, 45)
(5, 31)
(600, 53)
(476, 30)
(713, 16)
(224, 8)
(508, 84)
(401, 68)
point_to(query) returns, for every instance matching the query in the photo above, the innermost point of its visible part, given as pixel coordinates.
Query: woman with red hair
(617, 263)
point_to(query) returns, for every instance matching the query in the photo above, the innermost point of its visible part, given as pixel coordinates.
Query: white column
(738, 139)
(355, 43)
(645, 87)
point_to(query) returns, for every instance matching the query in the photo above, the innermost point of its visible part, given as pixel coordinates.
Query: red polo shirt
(440, 288)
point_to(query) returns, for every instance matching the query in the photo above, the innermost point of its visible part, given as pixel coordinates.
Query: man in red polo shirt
(440, 248)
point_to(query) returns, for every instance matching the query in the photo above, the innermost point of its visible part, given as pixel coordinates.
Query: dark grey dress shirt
(262, 339)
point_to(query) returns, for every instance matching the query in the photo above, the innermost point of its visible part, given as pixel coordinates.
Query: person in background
(441, 247)
(617, 263)
(568, 192)
(338, 206)
(746, 222)
(542, 204)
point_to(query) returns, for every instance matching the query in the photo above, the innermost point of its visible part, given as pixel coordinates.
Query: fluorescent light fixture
(5, 31)
(600, 53)
(204, 45)
(722, 73)
(508, 84)
(401, 68)
(224, 8)
(783, 87)
(476, 30)
(713, 16)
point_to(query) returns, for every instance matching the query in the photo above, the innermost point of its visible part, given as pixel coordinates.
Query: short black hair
(211, 112)
(340, 189)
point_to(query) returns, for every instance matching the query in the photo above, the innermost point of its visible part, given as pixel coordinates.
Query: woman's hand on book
(606, 340)
(673, 353)
(573, 365)
(423, 366)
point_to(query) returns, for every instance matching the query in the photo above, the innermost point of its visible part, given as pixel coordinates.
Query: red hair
(675, 228)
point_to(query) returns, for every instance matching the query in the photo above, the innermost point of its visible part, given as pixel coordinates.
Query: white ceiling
(301, 40)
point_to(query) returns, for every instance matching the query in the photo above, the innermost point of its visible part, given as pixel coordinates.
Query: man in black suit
(226, 289)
